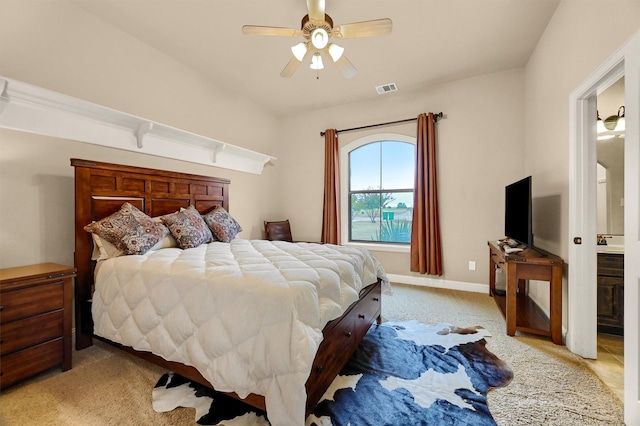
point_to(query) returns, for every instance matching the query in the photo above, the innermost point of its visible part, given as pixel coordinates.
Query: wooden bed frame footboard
(100, 190)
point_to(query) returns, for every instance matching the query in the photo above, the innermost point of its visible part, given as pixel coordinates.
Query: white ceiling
(432, 42)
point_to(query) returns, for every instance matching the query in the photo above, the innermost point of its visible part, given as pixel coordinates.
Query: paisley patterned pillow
(129, 230)
(224, 227)
(188, 228)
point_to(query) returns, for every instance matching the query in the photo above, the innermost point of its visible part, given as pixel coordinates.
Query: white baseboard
(439, 283)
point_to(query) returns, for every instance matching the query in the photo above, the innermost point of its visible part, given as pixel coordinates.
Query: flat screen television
(518, 212)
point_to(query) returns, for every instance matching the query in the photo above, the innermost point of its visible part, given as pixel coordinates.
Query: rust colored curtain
(426, 253)
(331, 208)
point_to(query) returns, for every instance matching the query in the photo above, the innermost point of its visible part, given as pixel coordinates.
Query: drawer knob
(376, 299)
(1, 308)
(348, 334)
(361, 316)
(319, 369)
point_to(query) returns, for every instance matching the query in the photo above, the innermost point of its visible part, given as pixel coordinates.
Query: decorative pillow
(224, 227)
(188, 227)
(129, 230)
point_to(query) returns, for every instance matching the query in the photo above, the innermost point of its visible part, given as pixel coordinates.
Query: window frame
(345, 176)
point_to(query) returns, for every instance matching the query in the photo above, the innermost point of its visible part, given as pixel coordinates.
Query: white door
(582, 330)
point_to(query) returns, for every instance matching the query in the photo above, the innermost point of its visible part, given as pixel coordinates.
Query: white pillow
(103, 249)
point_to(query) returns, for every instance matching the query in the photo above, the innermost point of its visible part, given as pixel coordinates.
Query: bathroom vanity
(611, 291)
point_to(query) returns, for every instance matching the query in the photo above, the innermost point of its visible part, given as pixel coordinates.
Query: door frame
(582, 288)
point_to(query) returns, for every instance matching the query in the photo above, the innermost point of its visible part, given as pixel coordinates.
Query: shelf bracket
(266, 161)
(142, 131)
(216, 150)
(4, 98)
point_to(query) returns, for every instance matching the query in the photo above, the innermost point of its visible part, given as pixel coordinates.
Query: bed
(328, 339)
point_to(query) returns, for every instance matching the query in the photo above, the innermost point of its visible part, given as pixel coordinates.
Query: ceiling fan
(317, 28)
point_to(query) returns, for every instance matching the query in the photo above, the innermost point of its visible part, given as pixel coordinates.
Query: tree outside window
(381, 177)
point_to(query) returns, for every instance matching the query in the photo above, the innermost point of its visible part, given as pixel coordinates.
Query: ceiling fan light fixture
(317, 28)
(316, 62)
(335, 51)
(299, 51)
(319, 38)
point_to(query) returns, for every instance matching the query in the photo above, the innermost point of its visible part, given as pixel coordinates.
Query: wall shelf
(33, 109)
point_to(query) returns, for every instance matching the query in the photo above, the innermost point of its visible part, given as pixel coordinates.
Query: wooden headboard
(100, 190)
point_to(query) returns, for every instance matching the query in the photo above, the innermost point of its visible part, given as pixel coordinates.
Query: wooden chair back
(277, 230)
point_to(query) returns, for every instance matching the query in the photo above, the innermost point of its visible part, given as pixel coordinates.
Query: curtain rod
(406, 120)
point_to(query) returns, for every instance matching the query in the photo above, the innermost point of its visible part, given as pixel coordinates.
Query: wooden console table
(520, 312)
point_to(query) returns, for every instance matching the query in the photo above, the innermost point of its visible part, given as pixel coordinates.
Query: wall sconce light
(613, 123)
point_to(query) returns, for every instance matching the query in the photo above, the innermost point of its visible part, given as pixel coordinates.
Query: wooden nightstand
(35, 320)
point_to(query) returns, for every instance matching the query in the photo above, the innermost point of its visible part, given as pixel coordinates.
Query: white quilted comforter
(247, 314)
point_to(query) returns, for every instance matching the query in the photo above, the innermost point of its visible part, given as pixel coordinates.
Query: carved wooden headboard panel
(100, 190)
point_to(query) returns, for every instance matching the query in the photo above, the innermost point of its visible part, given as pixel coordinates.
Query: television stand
(520, 312)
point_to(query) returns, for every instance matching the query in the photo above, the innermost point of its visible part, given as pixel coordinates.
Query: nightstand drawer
(21, 334)
(28, 362)
(26, 302)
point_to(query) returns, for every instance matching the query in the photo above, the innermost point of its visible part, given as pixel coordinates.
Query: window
(379, 189)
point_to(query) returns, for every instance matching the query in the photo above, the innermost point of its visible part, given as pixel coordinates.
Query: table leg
(510, 314)
(555, 308)
(522, 287)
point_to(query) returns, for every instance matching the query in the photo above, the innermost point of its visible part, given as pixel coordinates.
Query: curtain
(426, 253)
(331, 208)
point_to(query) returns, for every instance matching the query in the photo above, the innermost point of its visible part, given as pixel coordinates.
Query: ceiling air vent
(386, 88)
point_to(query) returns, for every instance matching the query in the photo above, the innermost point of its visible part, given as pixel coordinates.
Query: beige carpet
(551, 386)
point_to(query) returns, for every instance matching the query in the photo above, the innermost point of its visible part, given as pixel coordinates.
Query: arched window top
(378, 137)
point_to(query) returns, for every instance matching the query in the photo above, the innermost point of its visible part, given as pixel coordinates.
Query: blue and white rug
(402, 374)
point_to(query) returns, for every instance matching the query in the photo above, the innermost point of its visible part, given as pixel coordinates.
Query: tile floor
(610, 363)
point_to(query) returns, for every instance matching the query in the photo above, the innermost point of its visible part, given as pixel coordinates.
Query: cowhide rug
(401, 374)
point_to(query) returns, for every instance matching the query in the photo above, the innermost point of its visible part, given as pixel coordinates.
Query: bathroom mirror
(610, 157)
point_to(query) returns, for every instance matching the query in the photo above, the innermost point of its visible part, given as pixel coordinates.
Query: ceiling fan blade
(291, 68)
(346, 67)
(270, 31)
(316, 10)
(294, 63)
(376, 27)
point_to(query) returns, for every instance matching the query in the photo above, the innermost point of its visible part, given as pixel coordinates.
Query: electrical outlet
(472, 265)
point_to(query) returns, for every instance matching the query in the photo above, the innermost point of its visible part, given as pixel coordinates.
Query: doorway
(609, 365)
(582, 289)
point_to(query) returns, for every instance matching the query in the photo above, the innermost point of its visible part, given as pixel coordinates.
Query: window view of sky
(393, 160)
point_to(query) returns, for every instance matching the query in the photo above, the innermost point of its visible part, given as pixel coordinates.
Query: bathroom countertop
(613, 249)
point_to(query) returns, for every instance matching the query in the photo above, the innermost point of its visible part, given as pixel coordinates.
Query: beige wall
(480, 150)
(581, 35)
(58, 46)
(491, 136)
